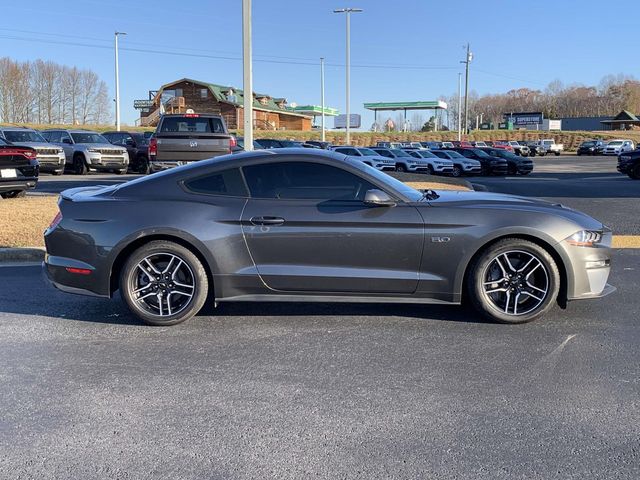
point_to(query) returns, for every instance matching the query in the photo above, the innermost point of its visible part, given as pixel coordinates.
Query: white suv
(616, 147)
(368, 156)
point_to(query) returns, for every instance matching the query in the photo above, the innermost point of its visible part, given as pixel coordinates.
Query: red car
(502, 144)
(462, 144)
(18, 170)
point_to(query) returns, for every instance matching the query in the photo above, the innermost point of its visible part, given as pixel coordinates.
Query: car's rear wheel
(513, 281)
(401, 168)
(163, 283)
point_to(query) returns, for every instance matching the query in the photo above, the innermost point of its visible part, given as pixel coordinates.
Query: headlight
(93, 150)
(585, 238)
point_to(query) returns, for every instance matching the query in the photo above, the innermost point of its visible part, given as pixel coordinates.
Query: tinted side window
(302, 180)
(228, 182)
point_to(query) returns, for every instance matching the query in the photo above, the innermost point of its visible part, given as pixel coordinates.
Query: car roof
(18, 129)
(71, 130)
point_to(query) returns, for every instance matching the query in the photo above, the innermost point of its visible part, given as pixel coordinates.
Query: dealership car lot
(356, 391)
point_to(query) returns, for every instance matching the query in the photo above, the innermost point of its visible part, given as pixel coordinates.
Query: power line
(301, 61)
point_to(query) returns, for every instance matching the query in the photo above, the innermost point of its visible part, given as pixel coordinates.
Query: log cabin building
(270, 113)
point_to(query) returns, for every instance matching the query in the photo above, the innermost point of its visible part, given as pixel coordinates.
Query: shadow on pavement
(43, 299)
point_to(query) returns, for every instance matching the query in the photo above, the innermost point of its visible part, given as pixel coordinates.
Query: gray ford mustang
(305, 225)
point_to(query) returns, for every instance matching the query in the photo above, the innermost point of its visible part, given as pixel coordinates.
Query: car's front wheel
(513, 281)
(163, 283)
(457, 171)
(634, 173)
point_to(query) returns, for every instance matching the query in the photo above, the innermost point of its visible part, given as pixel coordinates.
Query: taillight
(153, 146)
(30, 154)
(232, 143)
(78, 271)
(56, 220)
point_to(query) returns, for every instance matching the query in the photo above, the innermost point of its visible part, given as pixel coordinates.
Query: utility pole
(322, 94)
(466, 88)
(247, 75)
(117, 68)
(459, 106)
(348, 12)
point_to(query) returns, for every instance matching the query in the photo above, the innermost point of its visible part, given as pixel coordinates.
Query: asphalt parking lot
(330, 391)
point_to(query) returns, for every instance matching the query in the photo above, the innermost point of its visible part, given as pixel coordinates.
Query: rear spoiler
(72, 193)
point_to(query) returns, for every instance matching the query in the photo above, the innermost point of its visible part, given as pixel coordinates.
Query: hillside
(571, 140)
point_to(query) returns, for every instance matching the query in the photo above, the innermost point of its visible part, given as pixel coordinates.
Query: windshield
(400, 153)
(614, 144)
(426, 154)
(453, 154)
(290, 143)
(406, 190)
(88, 137)
(547, 142)
(480, 153)
(367, 152)
(23, 136)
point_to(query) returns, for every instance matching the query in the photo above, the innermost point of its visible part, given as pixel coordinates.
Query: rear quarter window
(227, 182)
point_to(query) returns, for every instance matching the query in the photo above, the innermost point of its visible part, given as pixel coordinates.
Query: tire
(430, 170)
(188, 296)
(578, 153)
(79, 165)
(143, 166)
(120, 172)
(14, 194)
(490, 288)
(57, 172)
(457, 171)
(557, 154)
(401, 168)
(634, 172)
(525, 173)
(512, 170)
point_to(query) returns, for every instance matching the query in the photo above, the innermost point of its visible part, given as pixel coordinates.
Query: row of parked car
(600, 147)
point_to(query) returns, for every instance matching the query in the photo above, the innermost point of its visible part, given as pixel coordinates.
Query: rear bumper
(18, 184)
(55, 270)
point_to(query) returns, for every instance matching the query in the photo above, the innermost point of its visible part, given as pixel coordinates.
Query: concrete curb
(27, 254)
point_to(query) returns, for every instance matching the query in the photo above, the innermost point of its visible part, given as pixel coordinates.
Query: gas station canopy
(431, 105)
(315, 110)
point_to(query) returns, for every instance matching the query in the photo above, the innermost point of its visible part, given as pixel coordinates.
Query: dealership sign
(140, 104)
(523, 119)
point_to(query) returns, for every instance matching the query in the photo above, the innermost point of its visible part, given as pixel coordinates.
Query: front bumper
(588, 269)
(99, 161)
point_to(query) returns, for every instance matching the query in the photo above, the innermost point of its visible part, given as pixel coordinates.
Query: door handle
(267, 221)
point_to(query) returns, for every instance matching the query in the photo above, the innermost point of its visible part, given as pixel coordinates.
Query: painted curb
(11, 255)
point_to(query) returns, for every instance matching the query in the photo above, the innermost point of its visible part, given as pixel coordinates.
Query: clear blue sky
(516, 44)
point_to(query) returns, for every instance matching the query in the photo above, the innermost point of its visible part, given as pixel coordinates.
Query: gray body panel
(413, 251)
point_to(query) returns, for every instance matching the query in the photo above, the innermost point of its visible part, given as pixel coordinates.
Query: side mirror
(130, 143)
(378, 198)
(67, 141)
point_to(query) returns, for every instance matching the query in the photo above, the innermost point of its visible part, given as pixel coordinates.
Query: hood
(488, 200)
(38, 145)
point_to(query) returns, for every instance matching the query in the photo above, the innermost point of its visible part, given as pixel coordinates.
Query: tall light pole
(466, 88)
(348, 12)
(247, 75)
(322, 94)
(459, 106)
(116, 35)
